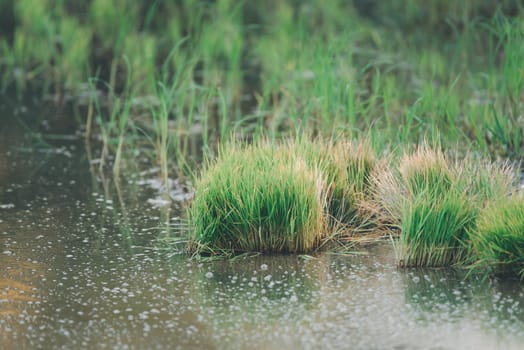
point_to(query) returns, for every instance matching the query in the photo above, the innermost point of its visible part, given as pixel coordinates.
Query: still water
(83, 266)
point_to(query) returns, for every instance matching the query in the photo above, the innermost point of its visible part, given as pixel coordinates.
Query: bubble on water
(209, 274)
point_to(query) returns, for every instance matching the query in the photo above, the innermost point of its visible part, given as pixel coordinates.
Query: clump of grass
(258, 198)
(436, 213)
(426, 170)
(498, 240)
(434, 229)
(486, 181)
(434, 203)
(422, 172)
(348, 167)
(283, 197)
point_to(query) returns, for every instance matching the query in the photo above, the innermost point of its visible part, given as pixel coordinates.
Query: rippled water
(81, 268)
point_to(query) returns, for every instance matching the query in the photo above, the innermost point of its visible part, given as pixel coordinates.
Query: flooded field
(83, 266)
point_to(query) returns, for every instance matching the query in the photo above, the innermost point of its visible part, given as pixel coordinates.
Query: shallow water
(83, 266)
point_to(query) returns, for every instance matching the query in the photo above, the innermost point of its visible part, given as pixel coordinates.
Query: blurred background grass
(396, 72)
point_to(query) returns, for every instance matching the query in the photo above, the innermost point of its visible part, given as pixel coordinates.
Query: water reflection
(447, 295)
(442, 291)
(252, 300)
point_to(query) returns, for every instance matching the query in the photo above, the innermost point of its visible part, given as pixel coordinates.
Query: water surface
(83, 266)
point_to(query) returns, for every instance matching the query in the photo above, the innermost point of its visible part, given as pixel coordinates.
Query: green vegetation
(172, 81)
(435, 203)
(284, 197)
(395, 72)
(259, 198)
(499, 238)
(348, 168)
(434, 229)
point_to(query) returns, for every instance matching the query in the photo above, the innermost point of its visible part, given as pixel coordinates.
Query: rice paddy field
(240, 174)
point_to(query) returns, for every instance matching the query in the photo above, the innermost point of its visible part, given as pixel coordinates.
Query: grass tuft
(259, 198)
(498, 240)
(434, 203)
(436, 214)
(434, 229)
(283, 197)
(348, 167)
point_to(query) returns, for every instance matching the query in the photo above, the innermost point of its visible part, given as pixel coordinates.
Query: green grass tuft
(426, 170)
(434, 229)
(498, 240)
(259, 198)
(434, 202)
(283, 197)
(436, 213)
(349, 167)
